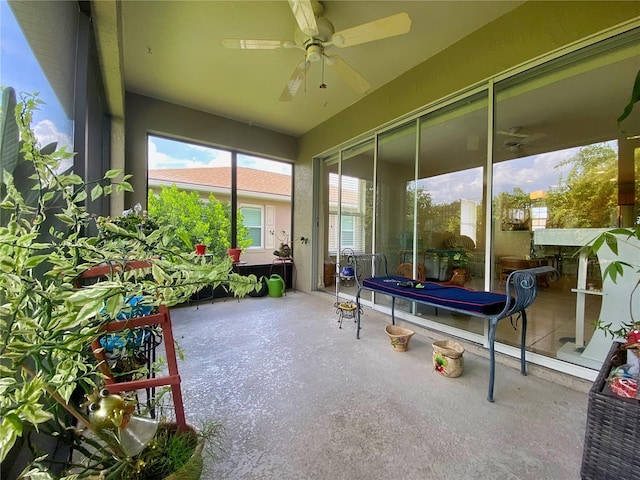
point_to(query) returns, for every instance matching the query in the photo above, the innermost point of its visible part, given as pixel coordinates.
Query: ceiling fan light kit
(314, 52)
(315, 34)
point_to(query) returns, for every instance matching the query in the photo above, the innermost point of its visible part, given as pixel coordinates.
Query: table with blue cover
(520, 291)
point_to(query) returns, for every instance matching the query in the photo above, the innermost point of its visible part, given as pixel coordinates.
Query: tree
(195, 221)
(424, 207)
(582, 202)
(513, 209)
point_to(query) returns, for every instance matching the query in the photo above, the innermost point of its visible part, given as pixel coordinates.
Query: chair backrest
(522, 286)
(368, 265)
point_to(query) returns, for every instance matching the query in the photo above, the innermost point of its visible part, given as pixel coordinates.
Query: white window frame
(262, 227)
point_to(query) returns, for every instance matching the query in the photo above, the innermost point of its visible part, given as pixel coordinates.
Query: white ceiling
(172, 52)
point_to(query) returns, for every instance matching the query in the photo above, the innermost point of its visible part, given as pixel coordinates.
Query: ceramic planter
(399, 337)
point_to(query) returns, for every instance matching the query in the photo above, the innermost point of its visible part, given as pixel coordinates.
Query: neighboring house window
(252, 218)
(538, 218)
(347, 231)
(353, 208)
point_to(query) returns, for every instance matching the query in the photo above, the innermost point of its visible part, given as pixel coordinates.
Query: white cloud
(47, 132)
(201, 157)
(537, 172)
(164, 153)
(156, 159)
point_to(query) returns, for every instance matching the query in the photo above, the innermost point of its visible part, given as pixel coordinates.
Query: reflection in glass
(450, 193)
(557, 168)
(352, 227)
(558, 165)
(395, 203)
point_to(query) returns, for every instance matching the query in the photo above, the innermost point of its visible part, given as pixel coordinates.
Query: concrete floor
(302, 399)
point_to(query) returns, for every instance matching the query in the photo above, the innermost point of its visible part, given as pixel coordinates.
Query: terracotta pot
(234, 253)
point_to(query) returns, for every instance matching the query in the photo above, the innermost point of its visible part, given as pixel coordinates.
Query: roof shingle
(249, 179)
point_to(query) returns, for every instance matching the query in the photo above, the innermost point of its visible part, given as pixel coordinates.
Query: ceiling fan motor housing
(325, 32)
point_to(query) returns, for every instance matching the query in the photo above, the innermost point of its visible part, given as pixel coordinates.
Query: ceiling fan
(518, 140)
(315, 35)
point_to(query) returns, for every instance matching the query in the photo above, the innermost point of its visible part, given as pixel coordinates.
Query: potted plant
(286, 248)
(460, 264)
(48, 323)
(173, 453)
(234, 253)
(613, 270)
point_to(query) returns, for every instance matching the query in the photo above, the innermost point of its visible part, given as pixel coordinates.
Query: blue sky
(537, 172)
(165, 153)
(20, 69)
(533, 173)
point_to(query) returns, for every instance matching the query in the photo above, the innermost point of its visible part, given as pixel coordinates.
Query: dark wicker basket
(612, 438)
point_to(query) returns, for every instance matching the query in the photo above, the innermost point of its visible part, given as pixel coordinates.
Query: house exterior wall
(281, 213)
(276, 215)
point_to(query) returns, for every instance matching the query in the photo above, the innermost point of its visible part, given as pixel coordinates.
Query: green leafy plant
(46, 321)
(132, 220)
(172, 450)
(615, 269)
(635, 98)
(461, 259)
(195, 221)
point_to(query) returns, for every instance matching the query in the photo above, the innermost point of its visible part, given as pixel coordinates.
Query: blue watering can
(348, 272)
(276, 285)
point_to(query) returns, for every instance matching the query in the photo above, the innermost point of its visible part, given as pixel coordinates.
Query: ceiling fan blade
(303, 11)
(246, 44)
(534, 137)
(512, 133)
(368, 32)
(347, 74)
(295, 81)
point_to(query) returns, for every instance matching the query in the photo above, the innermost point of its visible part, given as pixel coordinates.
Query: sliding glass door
(349, 206)
(562, 170)
(451, 207)
(445, 204)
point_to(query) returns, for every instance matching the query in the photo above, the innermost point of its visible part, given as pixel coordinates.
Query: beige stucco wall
(534, 29)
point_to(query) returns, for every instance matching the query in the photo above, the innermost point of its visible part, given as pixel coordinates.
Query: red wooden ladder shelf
(163, 319)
